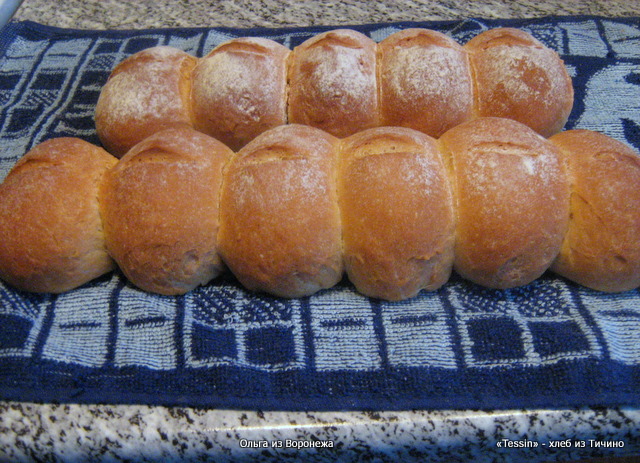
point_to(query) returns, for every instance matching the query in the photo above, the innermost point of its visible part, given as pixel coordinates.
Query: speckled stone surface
(83, 433)
(139, 14)
(77, 433)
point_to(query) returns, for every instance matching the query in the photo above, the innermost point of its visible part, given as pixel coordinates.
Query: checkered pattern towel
(549, 344)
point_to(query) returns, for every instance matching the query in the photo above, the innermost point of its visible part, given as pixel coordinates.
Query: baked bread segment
(240, 90)
(425, 81)
(50, 227)
(512, 201)
(397, 213)
(601, 249)
(280, 228)
(332, 83)
(146, 93)
(517, 77)
(160, 210)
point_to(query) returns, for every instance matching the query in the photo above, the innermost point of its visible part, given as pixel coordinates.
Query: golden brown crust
(424, 81)
(511, 201)
(340, 81)
(160, 210)
(491, 195)
(601, 249)
(397, 213)
(50, 225)
(332, 83)
(517, 77)
(147, 92)
(239, 90)
(280, 221)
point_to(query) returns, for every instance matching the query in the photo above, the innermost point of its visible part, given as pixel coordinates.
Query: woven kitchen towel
(549, 344)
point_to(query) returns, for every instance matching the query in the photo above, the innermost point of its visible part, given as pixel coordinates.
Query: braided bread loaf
(296, 208)
(340, 81)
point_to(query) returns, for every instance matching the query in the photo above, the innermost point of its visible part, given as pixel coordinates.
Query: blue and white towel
(549, 344)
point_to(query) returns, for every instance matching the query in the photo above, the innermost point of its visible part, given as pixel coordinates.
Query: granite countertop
(140, 14)
(71, 432)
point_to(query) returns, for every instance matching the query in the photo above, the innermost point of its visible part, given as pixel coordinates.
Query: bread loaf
(160, 210)
(340, 81)
(296, 208)
(52, 239)
(601, 249)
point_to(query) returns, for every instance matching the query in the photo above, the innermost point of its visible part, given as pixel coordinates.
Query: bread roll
(240, 90)
(425, 81)
(512, 201)
(160, 210)
(601, 249)
(397, 213)
(279, 218)
(332, 79)
(50, 225)
(517, 77)
(147, 92)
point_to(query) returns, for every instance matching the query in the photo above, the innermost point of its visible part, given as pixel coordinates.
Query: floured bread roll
(332, 79)
(601, 249)
(425, 81)
(397, 213)
(51, 237)
(512, 201)
(240, 90)
(160, 210)
(147, 92)
(279, 216)
(517, 77)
